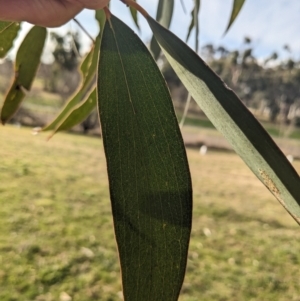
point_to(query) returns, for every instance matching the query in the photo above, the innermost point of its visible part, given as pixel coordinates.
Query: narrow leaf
(88, 71)
(29, 56)
(237, 6)
(79, 113)
(194, 23)
(70, 105)
(134, 16)
(100, 17)
(149, 178)
(86, 63)
(12, 101)
(232, 118)
(8, 33)
(27, 62)
(164, 17)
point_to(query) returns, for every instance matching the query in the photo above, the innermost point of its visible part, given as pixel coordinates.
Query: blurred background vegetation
(268, 86)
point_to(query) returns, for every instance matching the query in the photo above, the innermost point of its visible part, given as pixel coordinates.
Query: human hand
(48, 13)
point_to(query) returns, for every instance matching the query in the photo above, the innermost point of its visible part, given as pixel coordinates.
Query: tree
(66, 51)
(150, 184)
(64, 77)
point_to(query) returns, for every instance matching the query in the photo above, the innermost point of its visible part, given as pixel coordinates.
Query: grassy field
(57, 240)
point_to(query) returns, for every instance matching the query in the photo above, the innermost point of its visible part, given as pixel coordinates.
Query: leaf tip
(133, 4)
(50, 136)
(3, 119)
(237, 6)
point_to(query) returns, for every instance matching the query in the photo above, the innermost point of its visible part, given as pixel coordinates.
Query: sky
(269, 23)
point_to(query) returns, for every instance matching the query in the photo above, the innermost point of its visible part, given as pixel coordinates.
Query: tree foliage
(150, 185)
(67, 49)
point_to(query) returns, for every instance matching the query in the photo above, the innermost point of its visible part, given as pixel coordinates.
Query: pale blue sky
(270, 23)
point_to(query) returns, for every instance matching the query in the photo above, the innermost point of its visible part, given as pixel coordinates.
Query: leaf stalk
(133, 4)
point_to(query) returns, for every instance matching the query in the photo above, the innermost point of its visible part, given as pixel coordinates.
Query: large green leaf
(27, 62)
(237, 6)
(149, 178)
(164, 17)
(232, 118)
(8, 33)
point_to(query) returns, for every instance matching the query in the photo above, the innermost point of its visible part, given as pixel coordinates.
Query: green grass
(57, 240)
(55, 229)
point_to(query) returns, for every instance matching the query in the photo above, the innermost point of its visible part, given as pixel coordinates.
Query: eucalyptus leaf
(8, 32)
(149, 179)
(237, 6)
(88, 71)
(67, 110)
(100, 17)
(12, 102)
(79, 113)
(134, 16)
(86, 63)
(195, 23)
(229, 115)
(164, 16)
(27, 62)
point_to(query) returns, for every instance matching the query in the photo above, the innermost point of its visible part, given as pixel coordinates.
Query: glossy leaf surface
(8, 33)
(149, 177)
(27, 62)
(233, 119)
